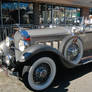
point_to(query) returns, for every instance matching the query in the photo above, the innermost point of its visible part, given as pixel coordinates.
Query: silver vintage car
(36, 54)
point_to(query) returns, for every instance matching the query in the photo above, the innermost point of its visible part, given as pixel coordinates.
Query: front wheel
(41, 73)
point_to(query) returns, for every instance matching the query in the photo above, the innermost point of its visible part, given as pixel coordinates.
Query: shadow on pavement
(64, 78)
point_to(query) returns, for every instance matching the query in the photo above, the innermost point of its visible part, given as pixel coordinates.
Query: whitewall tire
(73, 52)
(42, 73)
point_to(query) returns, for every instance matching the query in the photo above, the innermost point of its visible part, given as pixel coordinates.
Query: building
(42, 11)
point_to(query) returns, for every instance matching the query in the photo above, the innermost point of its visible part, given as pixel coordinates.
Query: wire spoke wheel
(73, 51)
(42, 73)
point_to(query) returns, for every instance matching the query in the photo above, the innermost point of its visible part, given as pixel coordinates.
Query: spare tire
(73, 52)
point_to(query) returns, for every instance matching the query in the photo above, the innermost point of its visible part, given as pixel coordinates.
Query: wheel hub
(41, 73)
(73, 51)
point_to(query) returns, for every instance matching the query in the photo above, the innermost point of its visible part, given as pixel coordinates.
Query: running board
(86, 60)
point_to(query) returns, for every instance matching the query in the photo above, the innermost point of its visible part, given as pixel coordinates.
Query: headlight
(22, 45)
(8, 41)
(1, 52)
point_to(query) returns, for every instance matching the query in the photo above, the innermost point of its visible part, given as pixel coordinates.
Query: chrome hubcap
(41, 73)
(73, 51)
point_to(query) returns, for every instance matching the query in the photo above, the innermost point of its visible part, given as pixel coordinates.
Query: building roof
(79, 3)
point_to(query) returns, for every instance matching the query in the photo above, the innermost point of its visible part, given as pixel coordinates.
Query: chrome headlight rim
(22, 45)
(7, 41)
(1, 52)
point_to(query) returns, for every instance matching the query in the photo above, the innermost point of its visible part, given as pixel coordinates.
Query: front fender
(36, 49)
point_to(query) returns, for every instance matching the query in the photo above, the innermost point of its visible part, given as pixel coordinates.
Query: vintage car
(36, 54)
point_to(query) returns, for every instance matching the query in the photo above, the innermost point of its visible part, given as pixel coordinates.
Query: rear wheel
(41, 73)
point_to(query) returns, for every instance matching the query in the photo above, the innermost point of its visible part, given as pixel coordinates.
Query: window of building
(23, 13)
(26, 13)
(90, 11)
(17, 13)
(58, 15)
(71, 14)
(10, 13)
(43, 12)
(0, 13)
(49, 14)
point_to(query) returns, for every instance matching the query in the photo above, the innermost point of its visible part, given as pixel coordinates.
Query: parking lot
(76, 80)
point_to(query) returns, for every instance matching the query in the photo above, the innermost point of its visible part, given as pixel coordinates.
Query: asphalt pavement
(76, 80)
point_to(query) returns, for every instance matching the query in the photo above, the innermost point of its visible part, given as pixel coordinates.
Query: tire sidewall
(79, 43)
(40, 60)
(63, 46)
